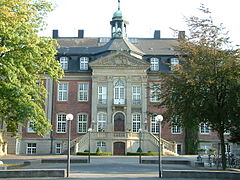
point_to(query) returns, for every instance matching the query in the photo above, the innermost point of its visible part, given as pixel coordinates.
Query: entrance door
(119, 122)
(119, 148)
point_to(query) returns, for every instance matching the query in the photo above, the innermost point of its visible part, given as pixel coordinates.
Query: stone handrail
(166, 145)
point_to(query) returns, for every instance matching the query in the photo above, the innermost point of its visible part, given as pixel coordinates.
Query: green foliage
(94, 154)
(149, 153)
(139, 150)
(25, 59)
(212, 150)
(200, 151)
(99, 150)
(205, 87)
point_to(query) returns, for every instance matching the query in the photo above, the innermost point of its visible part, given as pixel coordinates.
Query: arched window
(119, 92)
(84, 63)
(101, 121)
(154, 64)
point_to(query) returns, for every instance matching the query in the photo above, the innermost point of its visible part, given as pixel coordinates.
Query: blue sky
(144, 16)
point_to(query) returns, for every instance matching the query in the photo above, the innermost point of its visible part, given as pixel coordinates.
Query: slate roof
(147, 46)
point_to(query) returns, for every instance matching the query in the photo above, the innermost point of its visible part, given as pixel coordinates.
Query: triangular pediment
(120, 59)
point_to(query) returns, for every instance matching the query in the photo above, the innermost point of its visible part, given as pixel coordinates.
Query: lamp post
(69, 118)
(140, 146)
(159, 119)
(89, 145)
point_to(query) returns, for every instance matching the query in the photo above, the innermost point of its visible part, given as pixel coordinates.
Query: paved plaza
(105, 168)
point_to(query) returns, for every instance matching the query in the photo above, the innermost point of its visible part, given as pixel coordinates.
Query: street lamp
(69, 118)
(159, 119)
(89, 145)
(140, 146)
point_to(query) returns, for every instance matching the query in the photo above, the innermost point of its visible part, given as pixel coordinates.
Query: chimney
(181, 34)
(157, 34)
(55, 34)
(80, 33)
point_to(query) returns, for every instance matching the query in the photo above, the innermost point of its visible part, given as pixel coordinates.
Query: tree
(205, 86)
(25, 59)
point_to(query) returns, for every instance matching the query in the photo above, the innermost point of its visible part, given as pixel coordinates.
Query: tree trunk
(191, 140)
(223, 151)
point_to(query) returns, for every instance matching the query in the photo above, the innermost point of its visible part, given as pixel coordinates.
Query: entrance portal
(119, 148)
(119, 122)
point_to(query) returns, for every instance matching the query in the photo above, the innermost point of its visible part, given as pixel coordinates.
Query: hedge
(143, 153)
(94, 154)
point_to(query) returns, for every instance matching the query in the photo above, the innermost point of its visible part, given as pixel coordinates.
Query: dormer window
(84, 63)
(174, 63)
(64, 63)
(154, 64)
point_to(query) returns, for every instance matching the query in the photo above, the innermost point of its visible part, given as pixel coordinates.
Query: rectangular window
(174, 63)
(155, 93)
(63, 92)
(101, 121)
(136, 95)
(154, 125)
(61, 123)
(31, 148)
(136, 122)
(176, 129)
(84, 63)
(102, 95)
(30, 126)
(64, 62)
(58, 149)
(154, 64)
(204, 128)
(83, 92)
(102, 145)
(82, 123)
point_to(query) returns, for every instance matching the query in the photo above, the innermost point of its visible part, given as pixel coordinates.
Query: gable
(120, 59)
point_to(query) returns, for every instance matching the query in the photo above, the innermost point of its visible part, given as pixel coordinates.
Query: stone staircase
(81, 143)
(167, 148)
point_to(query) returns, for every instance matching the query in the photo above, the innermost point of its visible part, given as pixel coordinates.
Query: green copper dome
(117, 14)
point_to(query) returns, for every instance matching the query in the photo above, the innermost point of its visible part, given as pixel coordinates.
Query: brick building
(107, 87)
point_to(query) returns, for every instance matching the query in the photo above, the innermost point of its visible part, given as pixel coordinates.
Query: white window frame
(136, 95)
(83, 89)
(101, 121)
(175, 129)
(228, 132)
(63, 91)
(82, 122)
(154, 93)
(102, 95)
(136, 122)
(154, 64)
(61, 123)
(204, 128)
(64, 62)
(102, 145)
(154, 124)
(29, 128)
(119, 92)
(31, 148)
(174, 63)
(84, 63)
(58, 148)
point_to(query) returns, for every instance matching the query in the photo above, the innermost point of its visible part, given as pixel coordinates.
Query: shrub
(99, 150)
(94, 154)
(139, 150)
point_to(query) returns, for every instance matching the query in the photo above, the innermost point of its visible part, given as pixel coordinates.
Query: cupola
(118, 24)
